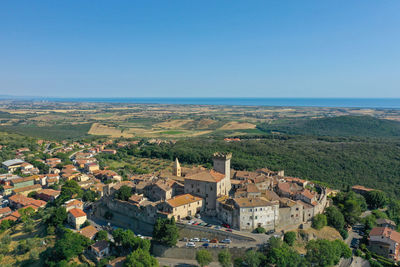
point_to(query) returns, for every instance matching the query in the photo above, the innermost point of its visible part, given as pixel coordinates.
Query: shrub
(319, 221)
(259, 230)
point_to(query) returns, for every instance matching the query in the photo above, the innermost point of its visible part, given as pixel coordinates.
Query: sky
(188, 48)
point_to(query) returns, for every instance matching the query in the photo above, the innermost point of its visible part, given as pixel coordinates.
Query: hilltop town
(209, 205)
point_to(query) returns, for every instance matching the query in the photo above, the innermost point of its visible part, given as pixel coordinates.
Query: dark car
(354, 243)
(270, 232)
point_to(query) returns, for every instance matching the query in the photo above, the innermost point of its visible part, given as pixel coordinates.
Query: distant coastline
(384, 103)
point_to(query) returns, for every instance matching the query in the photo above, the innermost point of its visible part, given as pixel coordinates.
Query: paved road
(182, 263)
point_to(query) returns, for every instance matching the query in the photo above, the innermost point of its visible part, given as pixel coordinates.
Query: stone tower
(177, 168)
(222, 164)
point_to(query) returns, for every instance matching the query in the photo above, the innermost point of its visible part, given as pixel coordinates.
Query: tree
(69, 245)
(57, 216)
(140, 258)
(89, 195)
(166, 232)
(319, 221)
(203, 257)
(334, 217)
(284, 256)
(102, 235)
(253, 258)
(224, 258)
(322, 252)
(369, 222)
(289, 238)
(124, 193)
(376, 199)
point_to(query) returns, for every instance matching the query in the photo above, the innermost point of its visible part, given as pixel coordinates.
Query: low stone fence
(191, 231)
(190, 253)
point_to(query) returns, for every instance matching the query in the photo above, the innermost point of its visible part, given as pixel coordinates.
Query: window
(251, 209)
(251, 217)
(256, 217)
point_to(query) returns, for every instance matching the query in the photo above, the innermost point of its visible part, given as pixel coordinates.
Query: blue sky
(200, 48)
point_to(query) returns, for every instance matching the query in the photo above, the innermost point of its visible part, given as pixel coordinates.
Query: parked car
(208, 225)
(206, 245)
(197, 216)
(214, 240)
(196, 223)
(205, 240)
(229, 230)
(217, 227)
(190, 245)
(196, 239)
(189, 217)
(226, 225)
(185, 239)
(270, 232)
(226, 241)
(140, 236)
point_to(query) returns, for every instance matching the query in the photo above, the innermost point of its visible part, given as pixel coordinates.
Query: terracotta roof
(308, 194)
(27, 188)
(271, 195)
(73, 202)
(49, 192)
(289, 187)
(89, 231)
(23, 179)
(386, 232)
(24, 201)
(10, 218)
(252, 188)
(180, 200)
(206, 176)
(15, 214)
(100, 245)
(77, 212)
(245, 202)
(5, 210)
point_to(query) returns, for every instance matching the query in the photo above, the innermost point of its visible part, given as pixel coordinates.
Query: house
(48, 194)
(109, 151)
(385, 223)
(4, 212)
(385, 241)
(210, 185)
(23, 182)
(12, 165)
(52, 162)
(250, 190)
(100, 249)
(183, 205)
(117, 262)
(248, 213)
(20, 201)
(27, 189)
(76, 217)
(27, 168)
(89, 231)
(90, 167)
(73, 204)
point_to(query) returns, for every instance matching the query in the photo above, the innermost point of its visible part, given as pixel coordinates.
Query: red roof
(77, 213)
(5, 210)
(386, 232)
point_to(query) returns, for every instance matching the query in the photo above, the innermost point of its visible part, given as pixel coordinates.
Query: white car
(196, 239)
(190, 245)
(226, 241)
(140, 236)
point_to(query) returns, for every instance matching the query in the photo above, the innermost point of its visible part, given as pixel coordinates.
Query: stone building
(213, 184)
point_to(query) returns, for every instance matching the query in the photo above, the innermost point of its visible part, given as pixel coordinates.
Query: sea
(384, 103)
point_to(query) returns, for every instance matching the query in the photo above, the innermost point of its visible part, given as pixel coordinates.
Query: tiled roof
(245, 202)
(25, 201)
(89, 231)
(27, 188)
(180, 200)
(5, 210)
(308, 194)
(386, 232)
(100, 245)
(73, 202)
(23, 179)
(387, 221)
(206, 176)
(49, 192)
(77, 212)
